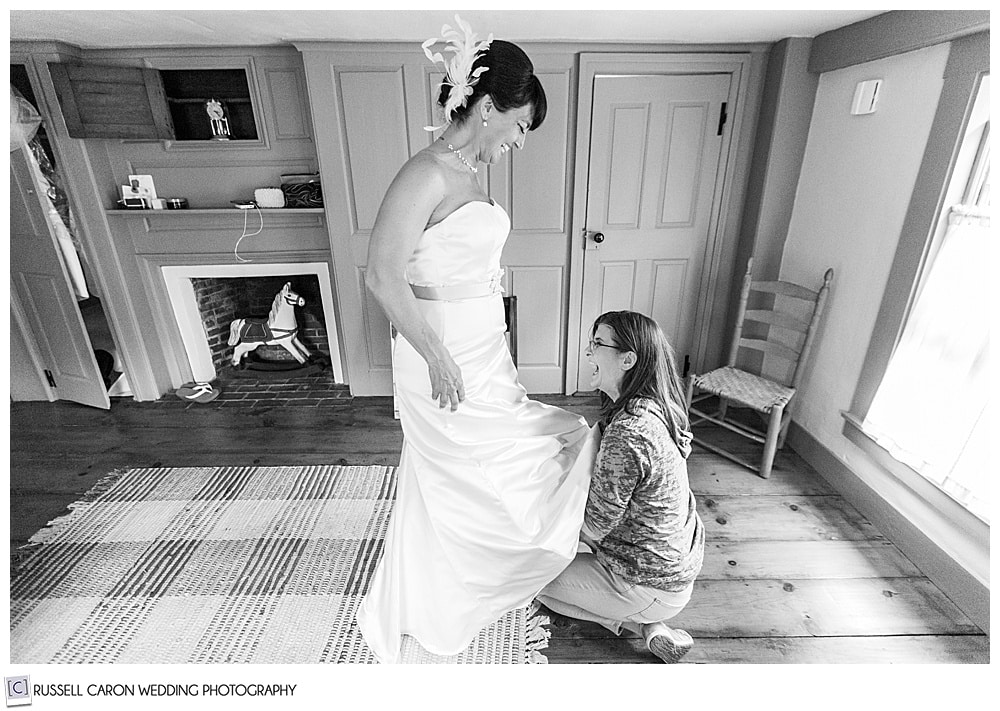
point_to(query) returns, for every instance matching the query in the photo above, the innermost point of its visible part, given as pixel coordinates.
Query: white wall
(857, 177)
(856, 183)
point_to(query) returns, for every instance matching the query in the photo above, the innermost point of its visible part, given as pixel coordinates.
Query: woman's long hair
(653, 376)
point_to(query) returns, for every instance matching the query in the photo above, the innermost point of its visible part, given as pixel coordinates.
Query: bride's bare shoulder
(423, 172)
(425, 165)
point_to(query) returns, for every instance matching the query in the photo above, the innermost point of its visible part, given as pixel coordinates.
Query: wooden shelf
(202, 100)
(212, 211)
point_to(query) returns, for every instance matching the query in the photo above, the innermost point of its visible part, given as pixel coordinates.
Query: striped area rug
(222, 565)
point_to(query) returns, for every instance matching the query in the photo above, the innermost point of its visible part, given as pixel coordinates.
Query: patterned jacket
(640, 509)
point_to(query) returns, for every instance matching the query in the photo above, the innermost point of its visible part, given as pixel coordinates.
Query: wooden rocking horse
(279, 328)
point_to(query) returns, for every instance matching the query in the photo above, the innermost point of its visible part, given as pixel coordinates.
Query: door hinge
(722, 118)
(48, 376)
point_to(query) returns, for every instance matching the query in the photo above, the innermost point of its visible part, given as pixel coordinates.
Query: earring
(484, 122)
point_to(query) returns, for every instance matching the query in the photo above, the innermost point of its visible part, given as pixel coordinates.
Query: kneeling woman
(646, 539)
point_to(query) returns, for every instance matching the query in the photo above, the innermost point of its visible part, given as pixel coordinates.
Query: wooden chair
(779, 326)
(510, 316)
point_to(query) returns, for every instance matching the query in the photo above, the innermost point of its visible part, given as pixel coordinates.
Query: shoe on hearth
(668, 644)
(198, 392)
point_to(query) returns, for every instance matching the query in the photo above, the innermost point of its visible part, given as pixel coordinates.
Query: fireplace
(223, 299)
(206, 298)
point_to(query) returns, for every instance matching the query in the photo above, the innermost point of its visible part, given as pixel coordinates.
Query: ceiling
(92, 29)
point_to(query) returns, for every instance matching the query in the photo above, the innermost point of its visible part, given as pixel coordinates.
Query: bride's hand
(446, 383)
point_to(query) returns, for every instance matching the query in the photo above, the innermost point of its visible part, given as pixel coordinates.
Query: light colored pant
(587, 590)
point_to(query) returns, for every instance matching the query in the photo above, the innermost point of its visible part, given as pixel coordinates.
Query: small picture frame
(141, 186)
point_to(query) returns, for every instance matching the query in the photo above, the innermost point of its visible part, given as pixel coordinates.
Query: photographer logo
(18, 690)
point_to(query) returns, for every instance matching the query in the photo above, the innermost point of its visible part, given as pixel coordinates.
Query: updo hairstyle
(510, 80)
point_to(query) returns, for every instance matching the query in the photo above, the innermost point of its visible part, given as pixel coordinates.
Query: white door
(43, 288)
(655, 146)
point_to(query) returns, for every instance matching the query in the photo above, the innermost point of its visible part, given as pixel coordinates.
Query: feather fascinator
(465, 47)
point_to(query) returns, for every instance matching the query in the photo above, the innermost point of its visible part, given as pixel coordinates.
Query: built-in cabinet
(214, 104)
(210, 104)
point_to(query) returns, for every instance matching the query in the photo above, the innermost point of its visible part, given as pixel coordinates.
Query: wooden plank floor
(793, 574)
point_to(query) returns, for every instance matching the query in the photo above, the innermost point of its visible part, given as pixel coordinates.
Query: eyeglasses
(594, 345)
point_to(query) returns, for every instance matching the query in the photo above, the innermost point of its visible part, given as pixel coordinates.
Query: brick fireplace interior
(205, 299)
(224, 299)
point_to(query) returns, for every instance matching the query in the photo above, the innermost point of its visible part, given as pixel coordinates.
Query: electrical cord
(236, 249)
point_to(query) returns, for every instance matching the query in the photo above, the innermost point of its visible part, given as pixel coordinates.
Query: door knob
(598, 237)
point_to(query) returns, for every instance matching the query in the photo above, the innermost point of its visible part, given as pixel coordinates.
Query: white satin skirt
(489, 500)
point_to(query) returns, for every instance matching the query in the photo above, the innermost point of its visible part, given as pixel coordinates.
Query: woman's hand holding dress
(446, 381)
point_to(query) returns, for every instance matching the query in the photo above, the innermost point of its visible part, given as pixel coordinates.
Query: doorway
(655, 143)
(79, 354)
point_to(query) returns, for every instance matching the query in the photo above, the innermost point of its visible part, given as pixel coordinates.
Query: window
(932, 407)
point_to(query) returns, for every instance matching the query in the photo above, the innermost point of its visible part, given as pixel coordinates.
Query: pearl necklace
(457, 152)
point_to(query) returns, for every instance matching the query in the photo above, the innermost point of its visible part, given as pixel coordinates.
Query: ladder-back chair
(776, 330)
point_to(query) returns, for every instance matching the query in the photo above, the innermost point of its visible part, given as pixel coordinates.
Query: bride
(492, 485)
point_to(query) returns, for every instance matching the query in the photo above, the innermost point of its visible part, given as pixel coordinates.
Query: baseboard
(968, 593)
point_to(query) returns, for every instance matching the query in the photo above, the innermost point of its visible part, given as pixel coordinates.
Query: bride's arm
(405, 211)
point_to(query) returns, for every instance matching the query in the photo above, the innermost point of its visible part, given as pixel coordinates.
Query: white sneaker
(669, 644)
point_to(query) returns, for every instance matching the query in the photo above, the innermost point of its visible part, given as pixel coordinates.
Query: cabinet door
(112, 102)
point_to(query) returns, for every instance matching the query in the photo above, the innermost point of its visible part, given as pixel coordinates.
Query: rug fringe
(44, 535)
(536, 637)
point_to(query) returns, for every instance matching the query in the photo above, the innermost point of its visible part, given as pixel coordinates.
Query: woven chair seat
(752, 391)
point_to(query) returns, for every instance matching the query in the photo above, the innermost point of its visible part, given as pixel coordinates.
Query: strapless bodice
(464, 248)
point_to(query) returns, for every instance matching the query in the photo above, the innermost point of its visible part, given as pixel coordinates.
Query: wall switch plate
(866, 97)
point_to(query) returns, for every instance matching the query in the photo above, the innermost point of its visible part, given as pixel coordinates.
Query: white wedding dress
(490, 498)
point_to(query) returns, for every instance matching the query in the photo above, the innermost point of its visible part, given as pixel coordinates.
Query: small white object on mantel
(269, 197)
(866, 97)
